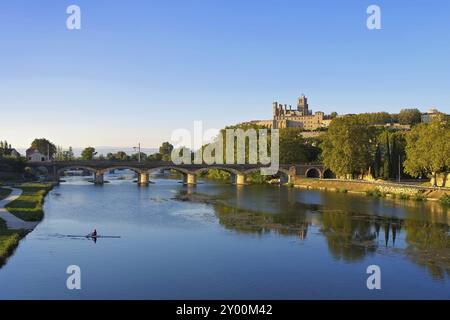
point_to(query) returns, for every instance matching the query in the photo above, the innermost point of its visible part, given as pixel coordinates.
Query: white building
(428, 116)
(35, 156)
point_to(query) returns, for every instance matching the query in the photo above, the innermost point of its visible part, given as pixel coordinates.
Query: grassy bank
(9, 240)
(29, 206)
(4, 193)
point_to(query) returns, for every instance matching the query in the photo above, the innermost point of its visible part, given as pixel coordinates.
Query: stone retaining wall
(400, 190)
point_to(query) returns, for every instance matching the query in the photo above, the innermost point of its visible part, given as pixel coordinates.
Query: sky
(140, 69)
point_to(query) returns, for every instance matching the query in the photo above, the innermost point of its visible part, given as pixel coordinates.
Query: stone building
(34, 155)
(285, 116)
(430, 115)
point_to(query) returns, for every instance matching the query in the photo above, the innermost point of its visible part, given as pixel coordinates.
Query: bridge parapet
(190, 171)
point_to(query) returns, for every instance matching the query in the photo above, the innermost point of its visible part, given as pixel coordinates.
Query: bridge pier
(191, 179)
(241, 179)
(99, 178)
(143, 179)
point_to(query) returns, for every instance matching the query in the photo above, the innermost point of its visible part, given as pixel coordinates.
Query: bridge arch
(175, 168)
(314, 173)
(90, 169)
(119, 167)
(229, 170)
(42, 170)
(328, 174)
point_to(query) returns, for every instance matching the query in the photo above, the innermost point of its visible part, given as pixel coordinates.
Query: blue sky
(137, 70)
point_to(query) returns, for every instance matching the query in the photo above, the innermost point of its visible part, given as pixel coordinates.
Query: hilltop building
(428, 116)
(12, 153)
(34, 155)
(303, 117)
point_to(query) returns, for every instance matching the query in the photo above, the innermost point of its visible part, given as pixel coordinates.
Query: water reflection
(354, 226)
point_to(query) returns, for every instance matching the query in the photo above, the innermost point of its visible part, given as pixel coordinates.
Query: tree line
(354, 147)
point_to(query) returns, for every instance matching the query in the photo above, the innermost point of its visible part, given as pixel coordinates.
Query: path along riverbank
(13, 222)
(391, 190)
(20, 212)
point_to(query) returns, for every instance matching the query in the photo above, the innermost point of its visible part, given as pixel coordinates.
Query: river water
(218, 241)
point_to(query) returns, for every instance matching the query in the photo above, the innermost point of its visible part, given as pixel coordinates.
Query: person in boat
(94, 234)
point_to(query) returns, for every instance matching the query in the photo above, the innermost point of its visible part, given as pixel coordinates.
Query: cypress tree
(378, 163)
(394, 158)
(387, 159)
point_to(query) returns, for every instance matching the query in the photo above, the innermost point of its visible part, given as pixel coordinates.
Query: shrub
(445, 199)
(375, 193)
(404, 196)
(419, 197)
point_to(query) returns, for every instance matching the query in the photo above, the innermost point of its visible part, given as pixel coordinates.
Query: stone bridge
(190, 172)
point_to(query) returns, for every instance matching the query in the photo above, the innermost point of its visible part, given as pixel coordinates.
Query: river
(218, 241)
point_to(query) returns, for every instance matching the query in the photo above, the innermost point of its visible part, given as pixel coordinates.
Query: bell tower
(302, 105)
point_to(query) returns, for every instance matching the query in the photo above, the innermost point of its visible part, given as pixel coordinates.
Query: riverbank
(9, 240)
(29, 206)
(389, 190)
(21, 209)
(4, 193)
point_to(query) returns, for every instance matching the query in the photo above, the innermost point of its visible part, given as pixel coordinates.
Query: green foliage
(88, 153)
(155, 157)
(409, 116)
(339, 190)
(257, 178)
(218, 175)
(9, 239)
(166, 151)
(419, 197)
(376, 118)
(445, 199)
(64, 155)
(404, 196)
(348, 146)
(294, 148)
(135, 156)
(29, 206)
(333, 115)
(121, 156)
(44, 146)
(387, 158)
(428, 148)
(389, 151)
(376, 193)
(12, 165)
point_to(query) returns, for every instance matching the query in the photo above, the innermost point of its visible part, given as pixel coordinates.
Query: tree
(44, 146)
(293, 148)
(59, 154)
(121, 155)
(110, 156)
(348, 145)
(166, 151)
(68, 155)
(428, 148)
(375, 118)
(135, 156)
(88, 153)
(387, 158)
(410, 116)
(378, 162)
(155, 157)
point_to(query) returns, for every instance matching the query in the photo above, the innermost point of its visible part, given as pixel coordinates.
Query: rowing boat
(94, 237)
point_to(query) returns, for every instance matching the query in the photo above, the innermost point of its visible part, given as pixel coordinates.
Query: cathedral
(285, 116)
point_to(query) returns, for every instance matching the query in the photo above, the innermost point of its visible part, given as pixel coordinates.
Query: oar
(90, 236)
